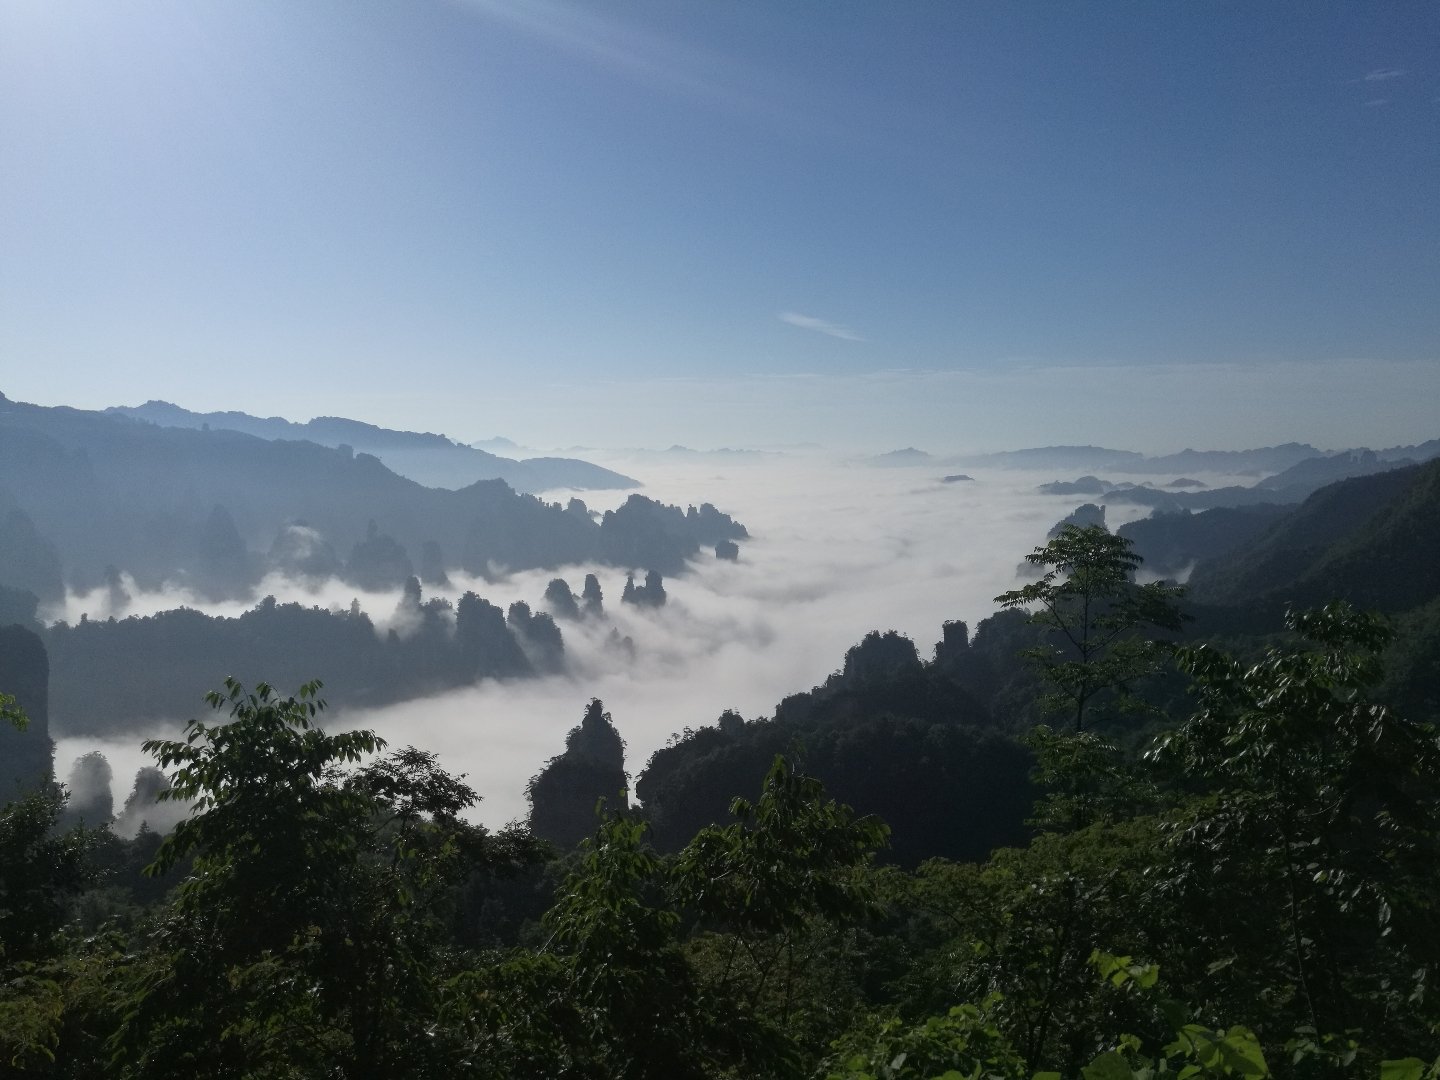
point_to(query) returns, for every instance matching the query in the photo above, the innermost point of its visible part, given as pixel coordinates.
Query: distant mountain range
(1266, 459)
(430, 459)
(1096, 459)
(727, 454)
(84, 495)
(1288, 474)
(1288, 486)
(895, 459)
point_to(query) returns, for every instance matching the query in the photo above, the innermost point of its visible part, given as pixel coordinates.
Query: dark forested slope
(119, 675)
(25, 755)
(1170, 543)
(1369, 540)
(888, 734)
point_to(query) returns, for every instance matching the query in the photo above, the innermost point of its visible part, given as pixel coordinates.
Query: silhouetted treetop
(596, 739)
(564, 794)
(880, 656)
(593, 598)
(560, 600)
(378, 562)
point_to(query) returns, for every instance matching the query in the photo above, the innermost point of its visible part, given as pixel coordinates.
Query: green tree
(42, 871)
(680, 968)
(969, 1042)
(608, 995)
(965, 1042)
(790, 855)
(1024, 926)
(770, 888)
(1087, 599)
(306, 940)
(12, 714)
(1307, 865)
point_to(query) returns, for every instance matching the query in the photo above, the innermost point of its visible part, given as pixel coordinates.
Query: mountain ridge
(426, 457)
(112, 492)
(1365, 539)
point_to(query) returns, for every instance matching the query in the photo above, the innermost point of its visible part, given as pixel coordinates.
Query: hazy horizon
(1152, 415)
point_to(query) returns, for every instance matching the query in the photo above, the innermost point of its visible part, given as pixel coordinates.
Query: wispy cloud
(821, 326)
(652, 59)
(1384, 74)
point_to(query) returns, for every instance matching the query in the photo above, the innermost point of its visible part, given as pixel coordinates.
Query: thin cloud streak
(652, 60)
(1382, 74)
(821, 326)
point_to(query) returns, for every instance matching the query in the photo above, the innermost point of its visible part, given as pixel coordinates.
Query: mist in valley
(838, 548)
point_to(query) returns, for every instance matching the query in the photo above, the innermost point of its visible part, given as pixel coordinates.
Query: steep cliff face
(26, 757)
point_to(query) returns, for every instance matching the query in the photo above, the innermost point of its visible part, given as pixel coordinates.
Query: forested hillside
(1361, 539)
(444, 646)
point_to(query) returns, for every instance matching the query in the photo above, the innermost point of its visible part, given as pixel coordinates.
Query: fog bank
(837, 549)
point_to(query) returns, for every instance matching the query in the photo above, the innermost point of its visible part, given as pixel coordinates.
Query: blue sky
(959, 225)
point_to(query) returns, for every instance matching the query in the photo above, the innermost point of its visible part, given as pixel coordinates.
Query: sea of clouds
(838, 548)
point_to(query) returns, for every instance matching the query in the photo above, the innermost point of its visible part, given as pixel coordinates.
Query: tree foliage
(1325, 797)
(1085, 597)
(310, 926)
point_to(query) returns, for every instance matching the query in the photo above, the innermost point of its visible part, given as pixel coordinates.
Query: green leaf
(1402, 1069)
(1110, 1065)
(1240, 1050)
(1176, 1013)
